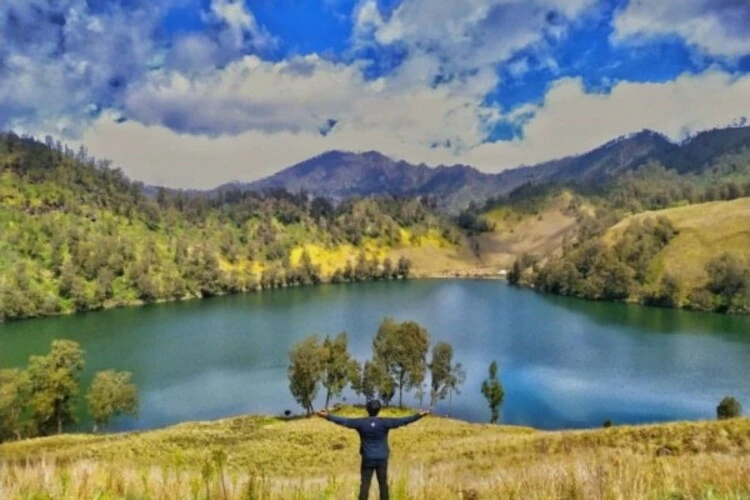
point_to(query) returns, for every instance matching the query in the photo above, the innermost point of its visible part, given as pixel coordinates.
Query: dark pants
(379, 468)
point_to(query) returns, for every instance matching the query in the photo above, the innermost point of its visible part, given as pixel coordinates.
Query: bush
(728, 408)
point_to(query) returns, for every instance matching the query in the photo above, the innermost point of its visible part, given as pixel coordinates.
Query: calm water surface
(565, 363)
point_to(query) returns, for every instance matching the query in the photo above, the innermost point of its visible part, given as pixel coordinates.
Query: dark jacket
(373, 434)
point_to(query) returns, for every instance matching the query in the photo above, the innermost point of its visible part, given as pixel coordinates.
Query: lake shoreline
(231, 353)
(140, 303)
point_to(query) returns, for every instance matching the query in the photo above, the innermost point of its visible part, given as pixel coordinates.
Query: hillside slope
(539, 232)
(76, 234)
(705, 231)
(436, 458)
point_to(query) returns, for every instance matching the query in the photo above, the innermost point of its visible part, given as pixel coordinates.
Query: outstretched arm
(349, 423)
(394, 423)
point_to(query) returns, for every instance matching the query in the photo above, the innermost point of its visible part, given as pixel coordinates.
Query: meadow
(257, 457)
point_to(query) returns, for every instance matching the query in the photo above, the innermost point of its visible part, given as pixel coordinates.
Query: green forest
(79, 235)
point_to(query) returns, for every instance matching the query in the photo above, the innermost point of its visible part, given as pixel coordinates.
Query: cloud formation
(220, 99)
(572, 121)
(718, 27)
(569, 121)
(306, 94)
(470, 34)
(60, 62)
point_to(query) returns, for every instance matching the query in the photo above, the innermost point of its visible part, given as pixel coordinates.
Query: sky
(195, 93)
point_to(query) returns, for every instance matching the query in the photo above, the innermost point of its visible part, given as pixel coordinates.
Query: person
(373, 436)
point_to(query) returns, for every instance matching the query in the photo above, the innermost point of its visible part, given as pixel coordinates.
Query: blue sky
(193, 93)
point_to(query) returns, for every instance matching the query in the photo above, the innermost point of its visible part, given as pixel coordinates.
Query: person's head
(373, 407)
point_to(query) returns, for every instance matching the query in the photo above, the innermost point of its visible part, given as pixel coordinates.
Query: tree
(306, 370)
(727, 277)
(111, 394)
(356, 377)
(361, 269)
(310, 273)
(520, 265)
(338, 366)
(492, 390)
(54, 386)
(404, 267)
(456, 379)
(444, 375)
(377, 382)
(401, 348)
(514, 275)
(728, 408)
(14, 393)
(387, 269)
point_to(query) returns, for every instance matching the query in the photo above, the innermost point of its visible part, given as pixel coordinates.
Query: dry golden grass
(705, 231)
(516, 233)
(435, 458)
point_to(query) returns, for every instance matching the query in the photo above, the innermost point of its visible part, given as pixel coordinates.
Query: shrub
(728, 408)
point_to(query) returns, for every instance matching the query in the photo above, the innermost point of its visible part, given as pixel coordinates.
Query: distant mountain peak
(340, 174)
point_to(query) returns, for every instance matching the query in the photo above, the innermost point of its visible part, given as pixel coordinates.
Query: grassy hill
(436, 458)
(704, 231)
(540, 231)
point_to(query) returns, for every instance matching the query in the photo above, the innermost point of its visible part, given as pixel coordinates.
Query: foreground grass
(268, 458)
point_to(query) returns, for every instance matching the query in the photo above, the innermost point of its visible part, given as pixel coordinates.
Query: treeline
(593, 270)
(650, 187)
(78, 235)
(399, 364)
(727, 288)
(372, 269)
(654, 187)
(42, 399)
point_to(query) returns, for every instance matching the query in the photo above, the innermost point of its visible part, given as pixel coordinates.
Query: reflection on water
(563, 362)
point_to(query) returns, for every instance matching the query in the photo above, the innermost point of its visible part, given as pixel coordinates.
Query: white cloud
(468, 34)
(59, 60)
(301, 94)
(571, 121)
(718, 27)
(241, 23)
(401, 124)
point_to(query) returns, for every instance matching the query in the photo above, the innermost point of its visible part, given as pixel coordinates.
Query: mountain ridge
(341, 174)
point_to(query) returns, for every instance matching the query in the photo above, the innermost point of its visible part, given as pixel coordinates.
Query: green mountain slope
(76, 234)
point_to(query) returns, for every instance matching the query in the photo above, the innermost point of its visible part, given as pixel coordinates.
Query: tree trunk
(223, 486)
(328, 398)
(95, 429)
(59, 425)
(401, 388)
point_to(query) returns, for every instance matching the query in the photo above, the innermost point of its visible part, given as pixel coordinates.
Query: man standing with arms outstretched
(373, 435)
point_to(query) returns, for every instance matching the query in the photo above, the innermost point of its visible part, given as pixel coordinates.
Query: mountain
(338, 175)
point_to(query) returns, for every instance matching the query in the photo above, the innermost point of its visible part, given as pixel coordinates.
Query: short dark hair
(373, 407)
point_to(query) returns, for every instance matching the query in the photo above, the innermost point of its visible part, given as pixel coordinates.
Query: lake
(564, 363)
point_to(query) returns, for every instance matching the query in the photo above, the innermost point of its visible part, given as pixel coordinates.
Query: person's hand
(322, 413)
(424, 413)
